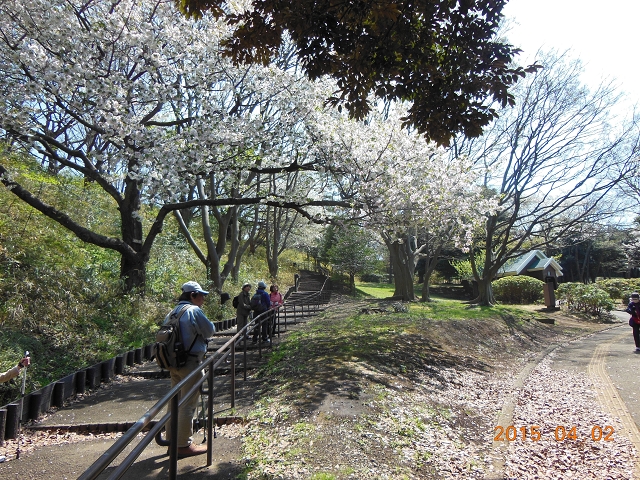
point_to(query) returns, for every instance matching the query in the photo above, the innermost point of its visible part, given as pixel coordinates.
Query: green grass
(380, 339)
(440, 308)
(382, 290)
(375, 290)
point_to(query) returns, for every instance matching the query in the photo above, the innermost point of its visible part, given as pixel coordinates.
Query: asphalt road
(621, 361)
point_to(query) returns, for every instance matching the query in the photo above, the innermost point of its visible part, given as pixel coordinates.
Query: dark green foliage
(620, 289)
(602, 253)
(518, 289)
(441, 56)
(373, 278)
(349, 250)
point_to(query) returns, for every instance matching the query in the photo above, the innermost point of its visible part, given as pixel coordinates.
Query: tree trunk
(133, 271)
(485, 291)
(352, 284)
(430, 264)
(425, 290)
(133, 268)
(485, 294)
(403, 264)
(272, 242)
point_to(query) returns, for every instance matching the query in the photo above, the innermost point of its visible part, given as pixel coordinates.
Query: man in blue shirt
(195, 329)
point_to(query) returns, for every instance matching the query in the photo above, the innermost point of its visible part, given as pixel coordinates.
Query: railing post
(286, 315)
(210, 414)
(259, 324)
(233, 375)
(173, 442)
(244, 361)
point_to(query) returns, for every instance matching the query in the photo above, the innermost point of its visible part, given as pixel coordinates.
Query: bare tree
(551, 160)
(279, 222)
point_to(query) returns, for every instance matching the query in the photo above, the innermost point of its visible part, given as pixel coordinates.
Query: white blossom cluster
(133, 92)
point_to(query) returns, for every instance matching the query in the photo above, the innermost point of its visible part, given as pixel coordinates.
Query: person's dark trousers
(264, 328)
(636, 334)
(241, 322)
(272, 322)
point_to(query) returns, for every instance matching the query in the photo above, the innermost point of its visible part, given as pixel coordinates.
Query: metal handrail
(212, 362)
(228, 349)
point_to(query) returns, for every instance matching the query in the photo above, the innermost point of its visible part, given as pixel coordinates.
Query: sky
(604, 35)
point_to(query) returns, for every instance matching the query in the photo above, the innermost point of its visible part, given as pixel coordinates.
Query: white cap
(193, 287)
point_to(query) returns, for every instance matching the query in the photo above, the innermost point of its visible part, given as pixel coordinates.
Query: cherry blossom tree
(138, 100)
(404, 186)
(135, 99)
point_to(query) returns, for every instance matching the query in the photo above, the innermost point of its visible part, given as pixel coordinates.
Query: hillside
(393, 395)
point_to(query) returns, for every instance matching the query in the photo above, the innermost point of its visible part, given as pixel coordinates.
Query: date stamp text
(561, 433)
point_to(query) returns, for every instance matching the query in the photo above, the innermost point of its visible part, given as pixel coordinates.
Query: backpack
(235, 302)
(256, 303)
(169, 350)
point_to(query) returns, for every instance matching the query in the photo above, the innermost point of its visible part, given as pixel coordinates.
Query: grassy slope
(335, 376)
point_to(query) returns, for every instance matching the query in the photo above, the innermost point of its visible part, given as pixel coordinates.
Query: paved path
(126, 400)
(610, 359)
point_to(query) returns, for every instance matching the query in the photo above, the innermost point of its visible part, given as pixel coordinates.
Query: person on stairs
(243, 310)
(196, 328)
(276, 302)
(260, 303)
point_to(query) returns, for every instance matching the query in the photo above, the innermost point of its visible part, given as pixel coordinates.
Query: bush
(372, 278)
(437, 279)
(589, 299)
(518, 289)
(620, 288)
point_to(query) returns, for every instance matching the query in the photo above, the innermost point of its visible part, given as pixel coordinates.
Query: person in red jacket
(276, 302)
(633, 309)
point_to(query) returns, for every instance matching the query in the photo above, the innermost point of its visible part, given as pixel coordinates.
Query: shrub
(518, 289)
(620, 288)
(589, 299)
(372, 278)
(437, 278)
